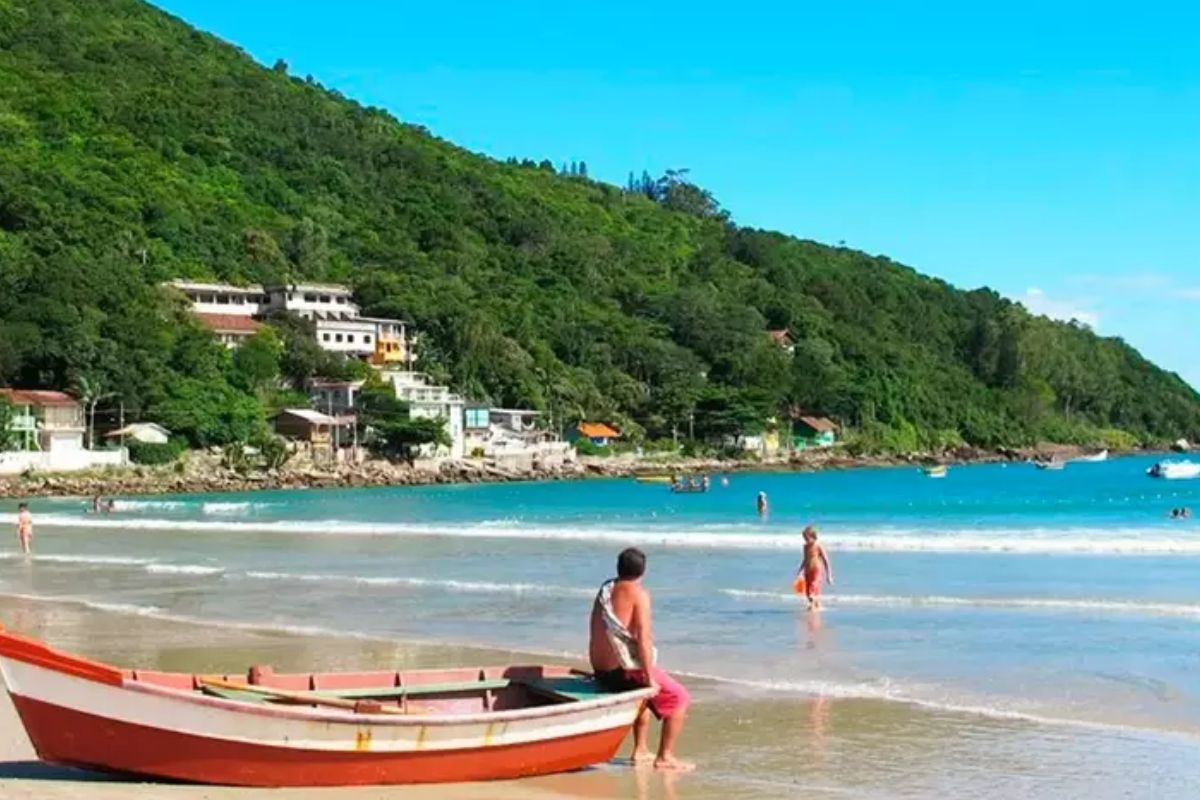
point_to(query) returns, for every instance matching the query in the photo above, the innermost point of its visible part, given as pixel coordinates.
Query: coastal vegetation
(135, 149)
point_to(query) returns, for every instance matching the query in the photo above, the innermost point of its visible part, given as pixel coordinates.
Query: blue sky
(1050, 153)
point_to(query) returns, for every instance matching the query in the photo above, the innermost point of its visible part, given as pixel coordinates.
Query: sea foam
(1079, 605)
(1038, 541)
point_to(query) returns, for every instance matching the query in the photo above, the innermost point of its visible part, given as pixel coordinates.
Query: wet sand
(749, 744)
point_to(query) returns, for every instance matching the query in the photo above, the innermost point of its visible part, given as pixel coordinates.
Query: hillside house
(809, 432)
(230, 329)
(305, 425)
(232, 313)
(49, 428)
(46, 420)
(598, 433)
(144, 432)
(427, 401)
(511, 437)
(783, 339)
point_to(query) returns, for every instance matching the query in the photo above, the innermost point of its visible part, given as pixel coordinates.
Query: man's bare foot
(673, 764)
(643, 757)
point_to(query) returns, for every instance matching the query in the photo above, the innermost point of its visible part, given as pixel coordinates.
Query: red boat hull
(73, 738)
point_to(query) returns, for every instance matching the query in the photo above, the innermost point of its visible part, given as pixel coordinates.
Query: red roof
(230, 323)
(38, 397)
(782, 337)
(819, 424)
(597, 430)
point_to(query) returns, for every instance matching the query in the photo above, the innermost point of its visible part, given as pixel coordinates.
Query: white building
(224, 298)
(356, 338)
(511, 438)
(312, 301)
(335, 398)
(230, 312)
(426, 401)
(49, 427)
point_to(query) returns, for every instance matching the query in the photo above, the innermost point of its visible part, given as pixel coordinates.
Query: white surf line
(1088, 542)
(184, 569)
(1081, 605)
(97, 560)
(483, 587)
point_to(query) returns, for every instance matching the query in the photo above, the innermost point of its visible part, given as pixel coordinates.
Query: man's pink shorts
(672, 698)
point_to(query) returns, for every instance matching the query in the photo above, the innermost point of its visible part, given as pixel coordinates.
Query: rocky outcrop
(204, 472)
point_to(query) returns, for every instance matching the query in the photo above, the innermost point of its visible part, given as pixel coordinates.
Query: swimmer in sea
(25, 528)
(761, 504)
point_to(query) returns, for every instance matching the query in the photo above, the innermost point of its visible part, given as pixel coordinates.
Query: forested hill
(135, 149)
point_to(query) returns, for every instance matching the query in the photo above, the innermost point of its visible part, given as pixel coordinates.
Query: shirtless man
(623, 656)
(24, 527)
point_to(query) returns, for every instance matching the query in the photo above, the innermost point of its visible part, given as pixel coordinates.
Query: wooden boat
(318, 729)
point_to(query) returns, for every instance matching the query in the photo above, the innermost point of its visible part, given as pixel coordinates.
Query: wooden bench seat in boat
(563, 688)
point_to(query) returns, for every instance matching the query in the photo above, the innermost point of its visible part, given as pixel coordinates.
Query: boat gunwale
(39, 655)
(391, 720)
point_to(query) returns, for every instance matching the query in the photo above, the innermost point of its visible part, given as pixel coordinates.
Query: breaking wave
(480, 587)
(1080, 605)
(1041, 541)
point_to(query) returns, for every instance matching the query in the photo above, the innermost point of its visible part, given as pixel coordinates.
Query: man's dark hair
(631, 564)
(22, 506)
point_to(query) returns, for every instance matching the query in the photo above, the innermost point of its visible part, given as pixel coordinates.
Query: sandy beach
(748, 745)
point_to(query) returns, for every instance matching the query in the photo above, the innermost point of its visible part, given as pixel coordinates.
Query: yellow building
(392, 348)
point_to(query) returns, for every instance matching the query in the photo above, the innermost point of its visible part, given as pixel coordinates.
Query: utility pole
(92, 418)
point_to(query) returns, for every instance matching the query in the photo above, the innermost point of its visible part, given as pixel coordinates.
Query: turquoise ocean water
(1063, 597)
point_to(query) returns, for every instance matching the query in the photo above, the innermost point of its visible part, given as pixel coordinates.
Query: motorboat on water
(1174, 470)
(1051, 465)
(938, 471)
(313, 729)
(1093, 458)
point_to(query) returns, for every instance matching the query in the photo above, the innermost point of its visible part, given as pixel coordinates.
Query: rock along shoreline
(202, 473)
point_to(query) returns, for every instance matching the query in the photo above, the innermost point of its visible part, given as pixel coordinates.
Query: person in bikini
(813, 568)
(24, 528)
(623, 657)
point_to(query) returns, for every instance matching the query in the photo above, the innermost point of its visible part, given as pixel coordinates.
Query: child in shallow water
(813, 567)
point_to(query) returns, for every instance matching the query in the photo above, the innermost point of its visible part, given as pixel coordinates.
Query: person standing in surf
(813, 568)
(623, 656)
(25, 528)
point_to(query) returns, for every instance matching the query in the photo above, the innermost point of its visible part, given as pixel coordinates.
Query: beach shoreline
(203, 473)
(749, 744)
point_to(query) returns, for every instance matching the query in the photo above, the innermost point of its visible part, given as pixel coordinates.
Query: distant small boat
(1174, 470)
(689, 489)
(653, 478)
(936, 472)
(1051, 465)
(1093, 458)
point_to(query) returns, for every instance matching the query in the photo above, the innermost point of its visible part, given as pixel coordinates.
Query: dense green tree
(389, 430)
(134, 149)
(255, 364)
(8, 438)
